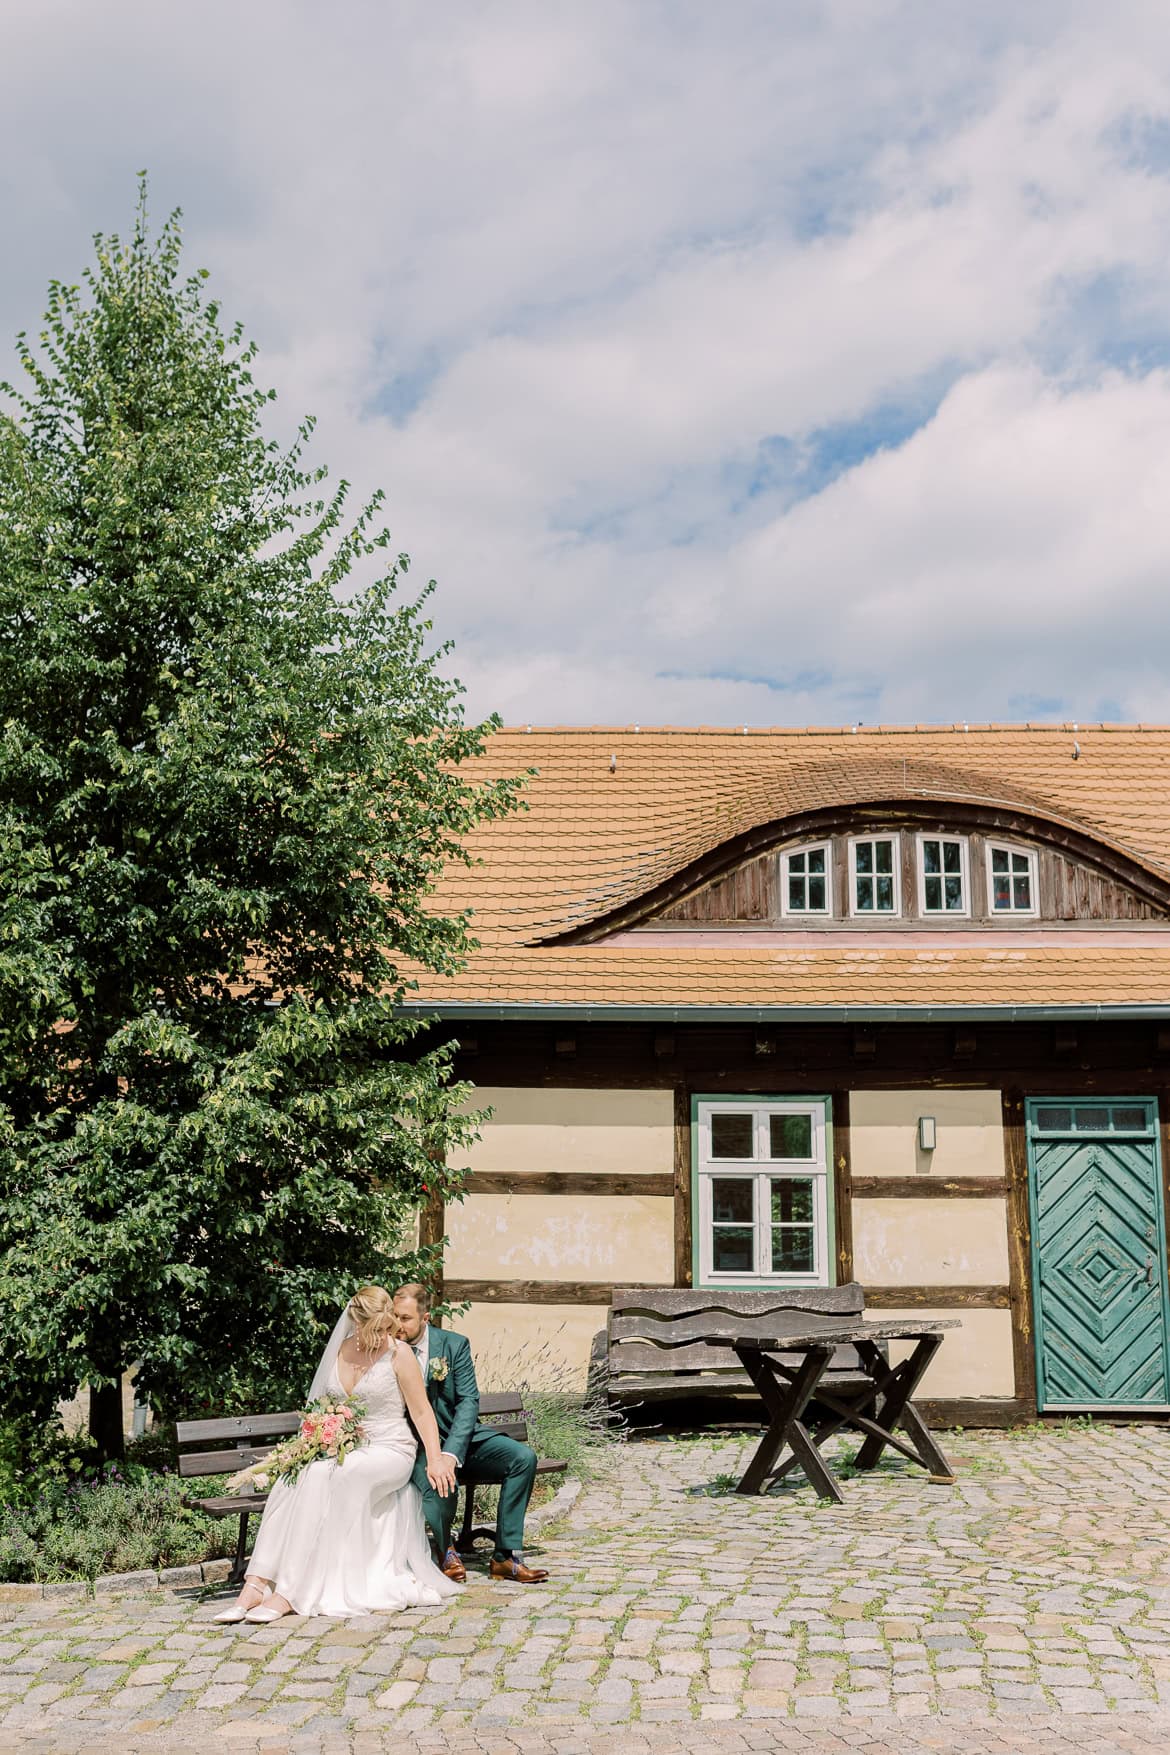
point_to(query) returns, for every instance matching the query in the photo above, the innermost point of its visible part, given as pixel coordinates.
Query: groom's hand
(441, 1475)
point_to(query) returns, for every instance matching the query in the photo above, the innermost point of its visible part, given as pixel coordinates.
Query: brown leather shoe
(518, 1572)
(453, 1568)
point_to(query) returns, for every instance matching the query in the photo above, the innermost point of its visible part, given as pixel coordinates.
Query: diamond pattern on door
(1099, 1260)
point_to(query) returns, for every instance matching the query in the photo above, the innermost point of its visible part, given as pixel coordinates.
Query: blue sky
(741, 364)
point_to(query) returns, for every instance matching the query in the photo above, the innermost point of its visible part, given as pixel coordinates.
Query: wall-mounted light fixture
(926, 1133)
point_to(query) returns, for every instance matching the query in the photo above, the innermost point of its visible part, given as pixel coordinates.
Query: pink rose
(330, 1427)
(308, 1426)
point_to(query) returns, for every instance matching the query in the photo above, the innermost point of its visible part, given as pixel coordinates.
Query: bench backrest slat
(221, 1462)
(662, 1328)
(680, 1301)
(235, 1427)
(677, 1331)
(637, 1356)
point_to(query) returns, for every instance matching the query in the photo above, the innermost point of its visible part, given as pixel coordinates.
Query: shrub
(118, 1523)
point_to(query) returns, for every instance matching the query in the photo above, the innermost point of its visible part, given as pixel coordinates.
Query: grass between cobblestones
(1037, 1588)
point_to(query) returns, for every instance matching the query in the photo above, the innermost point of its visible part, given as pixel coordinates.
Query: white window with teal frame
(763, 1195)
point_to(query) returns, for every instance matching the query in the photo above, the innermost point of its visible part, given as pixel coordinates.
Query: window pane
(1054, 1120)
(731, 1200)
(1092, 1120)
(863, 855)
(795, 893)
(816, 895)
(792, 1200)
(999, 859)
(791, 1136)
(1022, 893)
(792, 1250)
(1130, 1120)
(864, 895)
(1001, 893)
(952, 856)
(932, 893)
(732, 1251)
(885, 894)
(816, 860)
(954, 891)
(731, 1135)
(796, 862)
(884, 855)
(1020, 862)
(930, 861)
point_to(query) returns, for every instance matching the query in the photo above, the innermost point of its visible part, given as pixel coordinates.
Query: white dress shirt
(422, 1352)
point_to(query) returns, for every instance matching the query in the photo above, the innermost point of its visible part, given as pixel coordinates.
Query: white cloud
(594, 291)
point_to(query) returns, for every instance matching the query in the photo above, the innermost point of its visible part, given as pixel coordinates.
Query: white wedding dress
(350, 1539)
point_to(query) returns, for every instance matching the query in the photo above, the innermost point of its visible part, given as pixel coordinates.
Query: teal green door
(1098, 1254)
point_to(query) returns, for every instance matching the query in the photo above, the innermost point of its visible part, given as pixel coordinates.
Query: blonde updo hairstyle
(371, 1311)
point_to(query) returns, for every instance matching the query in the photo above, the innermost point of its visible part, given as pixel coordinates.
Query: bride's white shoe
(262, 1613)
(240, 1611)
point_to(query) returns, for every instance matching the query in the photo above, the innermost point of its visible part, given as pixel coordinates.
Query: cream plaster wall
(616, 1239)
(626, 1132)
(541, 1345)
(940, 1242)
(883, 1133)
(975, 1360)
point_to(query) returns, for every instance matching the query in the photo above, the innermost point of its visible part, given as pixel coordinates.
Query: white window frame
(856, 913)
(760, 1170)
(959, 841)
(1029, 853)
(825, 913)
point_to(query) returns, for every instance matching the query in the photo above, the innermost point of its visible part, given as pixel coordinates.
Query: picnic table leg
(786, 1427)
(897, 1385)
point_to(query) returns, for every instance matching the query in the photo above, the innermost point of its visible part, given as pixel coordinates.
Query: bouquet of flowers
(330, 1427)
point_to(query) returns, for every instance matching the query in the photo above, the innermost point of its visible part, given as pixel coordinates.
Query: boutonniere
(438, 1370)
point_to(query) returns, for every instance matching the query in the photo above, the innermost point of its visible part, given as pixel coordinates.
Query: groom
(449, 1375)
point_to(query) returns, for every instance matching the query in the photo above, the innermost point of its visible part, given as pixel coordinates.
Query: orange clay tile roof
(598, 835)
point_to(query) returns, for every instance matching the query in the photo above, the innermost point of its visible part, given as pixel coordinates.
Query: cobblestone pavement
(1026, 1608)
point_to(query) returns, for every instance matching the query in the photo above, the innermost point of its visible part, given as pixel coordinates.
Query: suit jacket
(454, 1396)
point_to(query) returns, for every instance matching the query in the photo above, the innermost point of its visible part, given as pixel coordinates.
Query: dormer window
(1011, 880)
(806, 881)
(942, 875)
(874, 870)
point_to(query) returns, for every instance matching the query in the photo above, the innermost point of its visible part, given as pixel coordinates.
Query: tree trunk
(105, 1420)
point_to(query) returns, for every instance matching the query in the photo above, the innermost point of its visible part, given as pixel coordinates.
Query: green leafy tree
(226, 790)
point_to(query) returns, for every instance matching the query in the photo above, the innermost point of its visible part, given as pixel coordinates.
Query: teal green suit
(454, 1396)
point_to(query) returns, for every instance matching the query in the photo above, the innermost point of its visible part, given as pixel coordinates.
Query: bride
(349, 1538)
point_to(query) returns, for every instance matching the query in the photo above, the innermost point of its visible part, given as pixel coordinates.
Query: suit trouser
(491, 1456)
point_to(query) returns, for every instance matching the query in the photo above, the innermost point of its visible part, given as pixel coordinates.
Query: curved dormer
(910, 863)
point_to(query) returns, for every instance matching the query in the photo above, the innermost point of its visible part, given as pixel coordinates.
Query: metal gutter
(784, 1014)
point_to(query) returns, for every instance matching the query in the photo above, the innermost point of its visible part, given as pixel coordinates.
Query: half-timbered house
(801, 1006)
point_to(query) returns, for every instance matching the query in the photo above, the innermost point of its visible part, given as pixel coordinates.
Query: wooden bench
(503, 1413)
(227, 1444)
(655, 1346)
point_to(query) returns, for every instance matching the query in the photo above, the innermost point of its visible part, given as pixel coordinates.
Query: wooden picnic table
(787, 1369)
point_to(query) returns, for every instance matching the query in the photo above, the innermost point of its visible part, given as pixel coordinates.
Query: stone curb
(561, 1501)
(114, 1584)
(119, 1584)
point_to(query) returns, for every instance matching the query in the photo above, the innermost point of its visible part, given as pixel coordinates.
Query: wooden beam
(937, 1297)
(567, 1182)
(1019, 1237)
(844, 1184)
(975, 1411)
(590, 1292)
(682, 1187)
(432, 1224)
(527, 1292)
(927, 1187)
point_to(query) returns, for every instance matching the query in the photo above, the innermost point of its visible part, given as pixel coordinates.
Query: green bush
(127, 1521)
